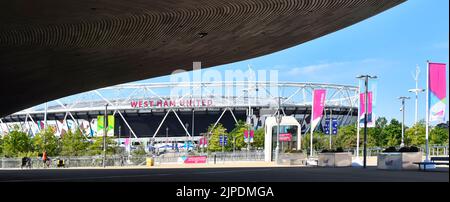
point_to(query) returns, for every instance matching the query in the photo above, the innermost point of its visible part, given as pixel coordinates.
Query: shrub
(390, 149)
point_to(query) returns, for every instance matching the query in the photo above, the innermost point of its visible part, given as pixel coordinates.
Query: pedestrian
(45, 159)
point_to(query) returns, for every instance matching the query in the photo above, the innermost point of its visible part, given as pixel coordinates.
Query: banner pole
(311, 127)
(330, 126)
(358, 119)
(427, 121)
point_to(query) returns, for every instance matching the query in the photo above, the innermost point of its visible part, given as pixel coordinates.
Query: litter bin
(150, 162)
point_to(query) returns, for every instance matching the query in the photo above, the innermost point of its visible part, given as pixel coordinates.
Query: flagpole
(311, 127)
(427, 121)
(357, 120)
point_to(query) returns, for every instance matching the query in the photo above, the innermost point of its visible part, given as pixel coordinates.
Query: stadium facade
(148, 111)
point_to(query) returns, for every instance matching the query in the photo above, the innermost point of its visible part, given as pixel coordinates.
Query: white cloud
(334, 71)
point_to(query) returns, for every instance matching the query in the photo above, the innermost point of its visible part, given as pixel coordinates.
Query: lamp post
(105, 131)
(416, 91)
(366, 86)
(403, 98)
(277, 148)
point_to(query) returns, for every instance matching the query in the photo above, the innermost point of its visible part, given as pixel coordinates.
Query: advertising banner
(249, 136)
(101, 125)
(334, 126)
(318, 105)
(195, 159)
(437, 92)
(362, 109)
(285, 137)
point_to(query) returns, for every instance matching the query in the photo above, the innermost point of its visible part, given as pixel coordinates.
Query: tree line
(384, 134)
(18, 144)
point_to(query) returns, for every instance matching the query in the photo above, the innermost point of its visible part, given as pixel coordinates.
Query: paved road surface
(260, 174)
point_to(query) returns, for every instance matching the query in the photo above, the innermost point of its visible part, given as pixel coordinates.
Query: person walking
(45, 159)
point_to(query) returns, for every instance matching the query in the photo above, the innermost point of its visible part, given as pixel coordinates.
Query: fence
(433, 150)
(97, 161)
(214, 157)
(257, 155)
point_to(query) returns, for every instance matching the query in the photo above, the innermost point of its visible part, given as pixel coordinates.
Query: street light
(416, 91)
(105, 130)
(167, 135)
(278, 132)
(403, 98)
(186, 142)
(279, 119)
(366, 86)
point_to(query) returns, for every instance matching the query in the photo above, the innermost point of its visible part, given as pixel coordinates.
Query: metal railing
(176, 157)
(97, 161)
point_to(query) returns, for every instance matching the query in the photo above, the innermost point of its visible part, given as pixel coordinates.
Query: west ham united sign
(171, 103)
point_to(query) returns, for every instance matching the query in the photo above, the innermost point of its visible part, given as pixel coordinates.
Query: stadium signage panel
(285, 137)
(195, 159)
(171, 103)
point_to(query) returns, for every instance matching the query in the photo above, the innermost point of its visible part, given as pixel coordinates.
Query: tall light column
(402, 144)
(105, 131)
(416, 91)
(366, 84)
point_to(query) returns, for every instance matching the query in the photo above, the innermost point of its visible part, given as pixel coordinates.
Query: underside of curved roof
(52, 48)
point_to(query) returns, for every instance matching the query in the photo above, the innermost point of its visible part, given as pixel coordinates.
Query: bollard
(214, 159)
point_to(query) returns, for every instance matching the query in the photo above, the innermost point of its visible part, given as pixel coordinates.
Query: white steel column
(160, 124)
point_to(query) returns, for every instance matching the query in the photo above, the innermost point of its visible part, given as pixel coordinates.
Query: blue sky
(388, 45)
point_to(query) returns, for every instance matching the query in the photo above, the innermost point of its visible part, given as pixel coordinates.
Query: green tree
(393, 133)
(1, 145)
(320, 141)
(73, 144)
(213, 143)
(377, 136)
(259, 138)
(236, 136)
(96, 147)
(439, 136)
(16, 143)
(47, 141)
(346, 137)
(415, 136)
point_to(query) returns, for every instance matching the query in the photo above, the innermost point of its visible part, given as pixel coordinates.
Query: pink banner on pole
(362, 108)
(362, 105)
(437, 92)
(203, 141)
(318, 105)
(285, 137)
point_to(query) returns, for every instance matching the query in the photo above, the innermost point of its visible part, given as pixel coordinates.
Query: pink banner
(203, 141)
(362, 104)
(285, 137)
(195, 159)
(437, 91)
(318, 105)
